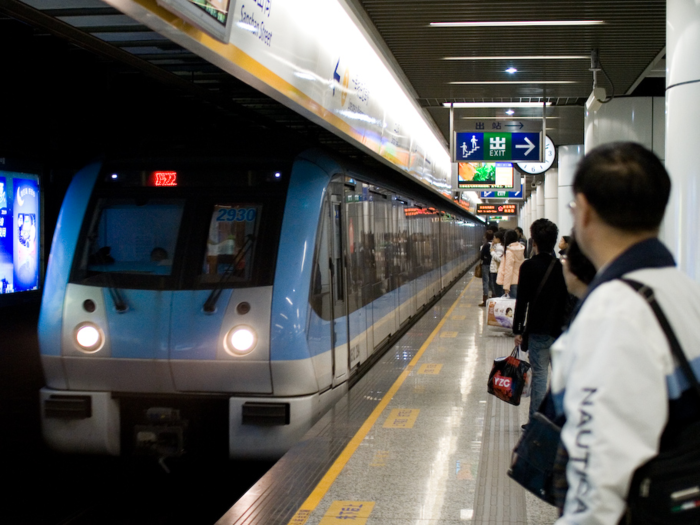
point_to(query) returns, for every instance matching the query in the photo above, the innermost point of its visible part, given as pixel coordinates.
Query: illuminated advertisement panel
(211, 16)
(485, 175)
(20, 234)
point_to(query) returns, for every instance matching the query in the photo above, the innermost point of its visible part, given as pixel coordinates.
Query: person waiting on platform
(510, 265)
(486, 265)
(579, 271)
(614, 377)
(540, 307)
(522, 240)
(496, 256)
(564, 245)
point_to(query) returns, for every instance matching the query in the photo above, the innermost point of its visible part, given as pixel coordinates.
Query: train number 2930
(236, 214)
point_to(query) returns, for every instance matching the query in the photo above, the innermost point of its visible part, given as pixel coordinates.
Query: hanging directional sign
(502, 194)
(498, 146)
(511, 126)
(496, 209)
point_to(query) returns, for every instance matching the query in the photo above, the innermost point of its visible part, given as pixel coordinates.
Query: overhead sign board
(495, 194)
(504, 193)
(496, 209)
(497, 146)
(511, 126)
(316, 57)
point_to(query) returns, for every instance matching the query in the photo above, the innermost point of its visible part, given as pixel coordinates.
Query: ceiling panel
(630, 39)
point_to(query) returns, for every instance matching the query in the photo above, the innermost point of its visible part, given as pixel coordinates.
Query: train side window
(230, 249)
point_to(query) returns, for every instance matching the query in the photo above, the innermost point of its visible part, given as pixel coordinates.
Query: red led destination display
(496, 209)
(163, 178)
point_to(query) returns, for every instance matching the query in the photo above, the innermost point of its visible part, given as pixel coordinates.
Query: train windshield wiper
(102, 257)
(210, 304)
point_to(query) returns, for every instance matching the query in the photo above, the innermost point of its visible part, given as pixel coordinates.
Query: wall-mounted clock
(533, 168)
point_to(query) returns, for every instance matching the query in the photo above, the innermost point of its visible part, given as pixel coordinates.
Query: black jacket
(486, 253)
(547, 315)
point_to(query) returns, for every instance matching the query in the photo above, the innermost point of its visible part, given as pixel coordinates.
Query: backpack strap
(648, 295)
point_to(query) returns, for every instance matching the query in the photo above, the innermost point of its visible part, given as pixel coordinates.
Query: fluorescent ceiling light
(510, 112)
(531, 57)
(495, 105)
(511, 70)
(525, 23)
(476, 83)
(491, 117)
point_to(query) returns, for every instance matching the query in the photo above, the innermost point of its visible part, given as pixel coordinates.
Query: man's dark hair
(500, 234)
(544, 233)
(489, 235)
(579, 264)
(626, 184)
(510, 237)
(567, 239)
(519, 230)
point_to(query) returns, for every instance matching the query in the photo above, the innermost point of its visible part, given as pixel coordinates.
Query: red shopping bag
(508, 378)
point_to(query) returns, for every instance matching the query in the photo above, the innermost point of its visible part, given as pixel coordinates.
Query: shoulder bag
(666, 489)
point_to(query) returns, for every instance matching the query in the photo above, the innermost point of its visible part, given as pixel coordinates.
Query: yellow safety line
(329, 478)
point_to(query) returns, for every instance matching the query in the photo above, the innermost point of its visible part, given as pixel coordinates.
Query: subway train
(206, 304)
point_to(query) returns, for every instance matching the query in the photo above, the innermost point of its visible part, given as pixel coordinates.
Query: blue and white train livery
(207, 305)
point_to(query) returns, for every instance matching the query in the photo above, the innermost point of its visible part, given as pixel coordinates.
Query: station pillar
(551, 195)
(680, 229)
(568, 159)
(528, 216)
(539, 195)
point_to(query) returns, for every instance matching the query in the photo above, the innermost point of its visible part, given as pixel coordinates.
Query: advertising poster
(6, 267)
(25, 214)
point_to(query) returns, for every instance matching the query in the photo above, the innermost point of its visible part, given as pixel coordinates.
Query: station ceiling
(442, 65)
(468, 63)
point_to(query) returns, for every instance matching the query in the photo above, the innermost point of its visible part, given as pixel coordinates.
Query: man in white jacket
(614, 377)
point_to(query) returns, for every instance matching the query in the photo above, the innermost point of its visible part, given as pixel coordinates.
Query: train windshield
(132, 236)
(229, 256)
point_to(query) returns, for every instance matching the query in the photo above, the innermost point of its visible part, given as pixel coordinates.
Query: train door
(339, 332)
(355, 274)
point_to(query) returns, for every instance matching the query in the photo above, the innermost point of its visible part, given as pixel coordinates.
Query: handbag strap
(648, 294)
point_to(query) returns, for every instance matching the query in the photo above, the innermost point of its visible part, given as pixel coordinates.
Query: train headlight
(241, 340)
(89, 338)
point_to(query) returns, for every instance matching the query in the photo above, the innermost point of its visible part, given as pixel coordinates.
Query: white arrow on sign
(487, 194)
(530, 146)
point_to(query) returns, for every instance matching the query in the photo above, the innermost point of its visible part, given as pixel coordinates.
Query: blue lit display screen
(20, 236)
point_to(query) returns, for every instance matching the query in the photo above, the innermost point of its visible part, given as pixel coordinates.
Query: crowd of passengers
(617, 390)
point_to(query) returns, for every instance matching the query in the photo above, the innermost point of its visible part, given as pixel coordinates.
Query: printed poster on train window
(20, 238)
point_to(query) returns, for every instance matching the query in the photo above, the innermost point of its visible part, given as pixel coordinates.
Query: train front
(155, 322)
